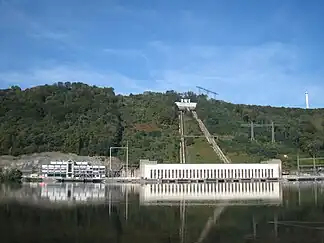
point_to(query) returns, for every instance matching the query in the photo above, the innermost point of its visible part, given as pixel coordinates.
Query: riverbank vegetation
(87, 120)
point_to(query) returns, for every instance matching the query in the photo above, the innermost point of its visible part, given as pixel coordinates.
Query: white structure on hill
(185, 104)
(306, 100)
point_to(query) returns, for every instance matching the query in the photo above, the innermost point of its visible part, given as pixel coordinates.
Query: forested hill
(87, 120)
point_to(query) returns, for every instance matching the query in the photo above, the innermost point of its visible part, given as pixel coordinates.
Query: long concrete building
(265, 171)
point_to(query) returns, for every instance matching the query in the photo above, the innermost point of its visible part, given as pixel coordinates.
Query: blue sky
(251, 51)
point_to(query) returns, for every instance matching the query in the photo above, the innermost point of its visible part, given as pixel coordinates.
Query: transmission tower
(252, 125)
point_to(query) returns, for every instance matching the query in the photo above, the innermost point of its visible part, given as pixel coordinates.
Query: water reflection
(148, 194)
(246, 212)
(63, 193)
(219, 193)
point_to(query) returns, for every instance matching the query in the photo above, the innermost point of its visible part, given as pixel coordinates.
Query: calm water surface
(247, 212)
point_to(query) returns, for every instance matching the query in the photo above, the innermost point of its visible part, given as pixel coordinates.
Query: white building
(185, 104)
(264, 171)
(70, 169)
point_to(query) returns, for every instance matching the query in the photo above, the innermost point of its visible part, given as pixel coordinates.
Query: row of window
(76, 194)
(58, 171)
(211, 174)
(57, 167)
(75, 174)
(75, 171)
(65, 197)
(212, 188)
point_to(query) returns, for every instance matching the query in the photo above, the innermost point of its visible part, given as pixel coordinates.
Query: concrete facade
(210, 171)
(70, 169)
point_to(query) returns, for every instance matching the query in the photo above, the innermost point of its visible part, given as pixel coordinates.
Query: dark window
(70, 168)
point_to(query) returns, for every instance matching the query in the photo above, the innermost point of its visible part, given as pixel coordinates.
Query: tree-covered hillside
(66, 117)
(150, 123)
(87, 120)
(296, 130)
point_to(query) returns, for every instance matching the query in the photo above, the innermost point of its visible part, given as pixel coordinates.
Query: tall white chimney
(306, 100)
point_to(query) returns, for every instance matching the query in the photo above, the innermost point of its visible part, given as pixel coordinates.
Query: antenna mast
(306, 100)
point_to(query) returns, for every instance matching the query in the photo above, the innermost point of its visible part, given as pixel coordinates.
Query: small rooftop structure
(186, 104)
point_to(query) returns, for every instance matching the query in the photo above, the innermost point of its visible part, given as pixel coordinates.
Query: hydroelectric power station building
(151, 170)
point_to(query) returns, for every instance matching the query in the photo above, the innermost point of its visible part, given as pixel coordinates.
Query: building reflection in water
(219, 195)
(212, 193)
(73, 192)
(150, 194)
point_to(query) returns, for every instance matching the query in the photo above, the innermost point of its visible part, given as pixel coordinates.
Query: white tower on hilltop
(306, 100)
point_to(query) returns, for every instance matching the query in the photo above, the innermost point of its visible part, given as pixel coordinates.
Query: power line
(200, 89)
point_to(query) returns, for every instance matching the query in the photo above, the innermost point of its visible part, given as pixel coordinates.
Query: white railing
(182, 144)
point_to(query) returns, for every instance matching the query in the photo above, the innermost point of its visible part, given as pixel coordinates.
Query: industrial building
(197, 172)
(73, 170)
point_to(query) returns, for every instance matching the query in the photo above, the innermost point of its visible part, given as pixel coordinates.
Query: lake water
(246, 212)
